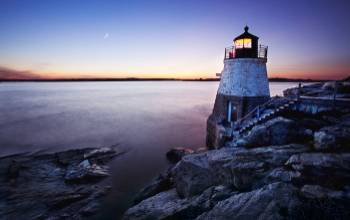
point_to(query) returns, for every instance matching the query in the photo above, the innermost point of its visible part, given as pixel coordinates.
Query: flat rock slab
(57, 185)
(274, 201)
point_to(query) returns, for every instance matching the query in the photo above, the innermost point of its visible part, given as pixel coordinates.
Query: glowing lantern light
(239, 43)
(247, 43)
(243, 43)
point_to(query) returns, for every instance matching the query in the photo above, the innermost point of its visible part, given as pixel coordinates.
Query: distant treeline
(295, 80)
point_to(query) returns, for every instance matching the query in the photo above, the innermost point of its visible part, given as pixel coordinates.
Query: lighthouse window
(239, 43)
(247, 43)
(243, 43)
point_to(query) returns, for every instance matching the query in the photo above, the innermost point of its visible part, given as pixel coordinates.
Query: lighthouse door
(231, 112)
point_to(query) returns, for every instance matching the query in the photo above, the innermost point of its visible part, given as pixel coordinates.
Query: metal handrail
(262, 52)
(254, 111)
(230, 52)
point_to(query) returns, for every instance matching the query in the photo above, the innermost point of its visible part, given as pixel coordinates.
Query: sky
(169, 39)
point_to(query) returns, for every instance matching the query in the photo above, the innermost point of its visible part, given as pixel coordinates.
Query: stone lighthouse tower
(243, 86)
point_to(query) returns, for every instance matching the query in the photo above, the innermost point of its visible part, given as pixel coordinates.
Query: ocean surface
(146, 117)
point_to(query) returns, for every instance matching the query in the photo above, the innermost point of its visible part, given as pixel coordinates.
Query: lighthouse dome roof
(246, 34)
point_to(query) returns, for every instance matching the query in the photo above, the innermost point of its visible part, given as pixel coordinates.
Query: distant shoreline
(147, 79)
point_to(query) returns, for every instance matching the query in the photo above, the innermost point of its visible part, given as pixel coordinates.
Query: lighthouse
(243, 86)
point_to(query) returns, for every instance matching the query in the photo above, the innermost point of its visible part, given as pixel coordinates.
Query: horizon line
(273, 79)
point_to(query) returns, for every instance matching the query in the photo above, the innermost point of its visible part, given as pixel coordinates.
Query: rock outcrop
(321, 89)
(175, 154)
(85, 171)
(295, 166)
(168, 204)
(278, 131)
(196, 172)
(333, 169)
(242, 168)
(63, 185)
(274, 201)
(332, 138)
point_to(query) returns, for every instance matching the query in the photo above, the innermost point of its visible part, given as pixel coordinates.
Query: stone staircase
(267, 114)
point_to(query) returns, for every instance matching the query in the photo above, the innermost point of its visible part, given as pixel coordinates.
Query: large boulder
(160, 206)
(251, 168)
(278, 131)
(192, 175)
(323, 203)
(242, 168)
(196, 172)
(324, 140)
(174, 155)
(332, 138)
(38, 188)
(274, 201)
(160, 184)
(168, 205)
(319, 192)
(282, 174)
(85, 171)
(326, 169)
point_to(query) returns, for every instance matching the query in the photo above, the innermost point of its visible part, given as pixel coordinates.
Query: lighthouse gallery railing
(230, 52)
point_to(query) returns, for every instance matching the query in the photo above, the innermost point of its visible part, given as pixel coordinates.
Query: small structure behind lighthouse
(243, 86)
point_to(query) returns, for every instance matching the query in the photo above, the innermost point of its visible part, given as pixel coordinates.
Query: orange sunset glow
(151, 41)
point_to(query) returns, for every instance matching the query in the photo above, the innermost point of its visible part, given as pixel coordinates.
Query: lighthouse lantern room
(243, 85)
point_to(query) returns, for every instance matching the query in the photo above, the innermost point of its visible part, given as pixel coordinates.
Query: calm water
(149, 118)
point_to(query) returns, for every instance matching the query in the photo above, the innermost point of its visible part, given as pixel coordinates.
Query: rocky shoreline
(62, 185)
(295, 165)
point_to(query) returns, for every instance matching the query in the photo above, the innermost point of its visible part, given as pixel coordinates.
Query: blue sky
(184, 39)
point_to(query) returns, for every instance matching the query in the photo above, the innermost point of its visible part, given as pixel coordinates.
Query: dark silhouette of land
(147, 79)
(11, 75)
